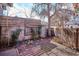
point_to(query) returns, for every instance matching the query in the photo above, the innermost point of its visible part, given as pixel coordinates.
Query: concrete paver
(11, 52)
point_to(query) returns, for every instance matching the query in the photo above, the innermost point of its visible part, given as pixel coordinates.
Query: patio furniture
(27, 39)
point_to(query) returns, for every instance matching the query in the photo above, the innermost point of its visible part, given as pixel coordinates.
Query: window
(27, 31)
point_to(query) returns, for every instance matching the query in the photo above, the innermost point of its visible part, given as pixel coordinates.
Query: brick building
(3, 6)
(10, 24)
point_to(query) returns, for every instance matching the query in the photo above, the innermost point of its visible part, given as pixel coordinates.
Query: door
(0, 32)
(0, 35)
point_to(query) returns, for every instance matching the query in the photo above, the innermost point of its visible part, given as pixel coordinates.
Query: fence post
(77, 40)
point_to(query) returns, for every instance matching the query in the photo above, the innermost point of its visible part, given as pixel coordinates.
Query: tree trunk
(49, 29)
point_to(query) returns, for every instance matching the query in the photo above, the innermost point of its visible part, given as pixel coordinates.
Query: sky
(21, 10)
(23, 5)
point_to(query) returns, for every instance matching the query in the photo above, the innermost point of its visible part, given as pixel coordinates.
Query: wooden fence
(68, 37)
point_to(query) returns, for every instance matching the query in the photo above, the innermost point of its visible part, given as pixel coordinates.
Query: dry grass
(57, 39)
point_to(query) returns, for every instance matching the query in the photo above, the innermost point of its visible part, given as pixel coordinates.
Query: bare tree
(44, 10)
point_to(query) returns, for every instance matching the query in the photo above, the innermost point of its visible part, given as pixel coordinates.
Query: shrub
(14, 37)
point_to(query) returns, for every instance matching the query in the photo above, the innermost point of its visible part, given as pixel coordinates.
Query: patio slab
(49, 49)
(10, 52)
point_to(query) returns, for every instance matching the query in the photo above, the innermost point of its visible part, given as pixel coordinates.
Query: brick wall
(8, 23)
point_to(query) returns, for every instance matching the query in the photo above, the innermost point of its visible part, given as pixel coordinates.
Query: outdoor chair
(27, 39)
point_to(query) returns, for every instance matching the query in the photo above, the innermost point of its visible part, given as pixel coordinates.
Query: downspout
(49, 32)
